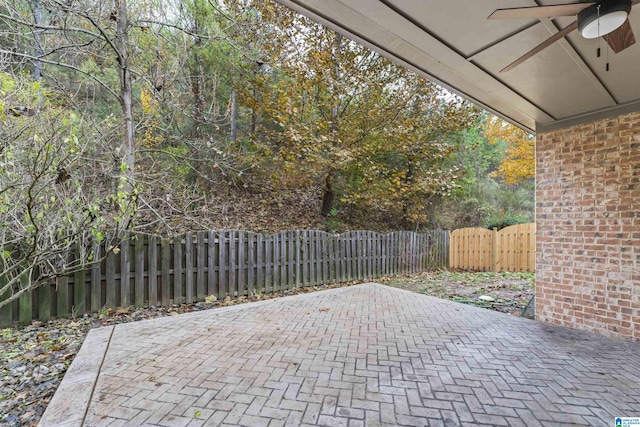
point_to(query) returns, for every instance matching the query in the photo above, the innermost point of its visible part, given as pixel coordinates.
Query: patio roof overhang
(452, 43)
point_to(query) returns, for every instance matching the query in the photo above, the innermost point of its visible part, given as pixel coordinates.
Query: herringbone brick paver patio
(363, 355)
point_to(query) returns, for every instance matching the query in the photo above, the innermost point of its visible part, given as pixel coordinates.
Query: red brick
(588, 216)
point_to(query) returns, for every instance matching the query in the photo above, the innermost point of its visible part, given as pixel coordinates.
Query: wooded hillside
(171, 116)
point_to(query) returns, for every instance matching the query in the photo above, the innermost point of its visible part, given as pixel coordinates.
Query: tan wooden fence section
(510, 249)
(150, 270)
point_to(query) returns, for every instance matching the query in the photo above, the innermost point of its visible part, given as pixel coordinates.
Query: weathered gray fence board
(111, 284)
(125, 275)
(6, 311)
(212, 278)
(44, 302)
(96, 294)
(139, 285)
(26, 301)
(324, 250)
(260, 263)
(62, 303)
(241, 263)
(320, 259)
(78, 292)
(150, 270)
(188, 267)
(165, 266)
(178, 279)
(297, 247)
(291, 282)
(268, 262)
(251, 263)
(222, 263)
(305, 256)
(233, 266)
(153, 270)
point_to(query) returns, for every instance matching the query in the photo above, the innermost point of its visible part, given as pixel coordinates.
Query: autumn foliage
(518, 165)
(337, 115)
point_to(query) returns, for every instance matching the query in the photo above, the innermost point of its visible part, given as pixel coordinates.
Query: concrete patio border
(69, 404)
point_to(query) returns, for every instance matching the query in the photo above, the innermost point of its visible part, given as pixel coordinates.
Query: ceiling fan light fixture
(612, 14)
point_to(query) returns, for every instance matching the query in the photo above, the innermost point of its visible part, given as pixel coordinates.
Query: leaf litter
(504, 292)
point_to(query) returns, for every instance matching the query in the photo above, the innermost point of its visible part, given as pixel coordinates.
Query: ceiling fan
(602, 18)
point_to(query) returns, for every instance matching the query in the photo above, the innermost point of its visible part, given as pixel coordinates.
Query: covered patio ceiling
(453, 43)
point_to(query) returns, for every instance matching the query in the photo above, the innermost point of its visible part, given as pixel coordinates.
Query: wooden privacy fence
(510, 249)
(149, 270)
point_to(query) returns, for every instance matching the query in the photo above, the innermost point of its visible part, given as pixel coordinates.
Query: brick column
(588, 227)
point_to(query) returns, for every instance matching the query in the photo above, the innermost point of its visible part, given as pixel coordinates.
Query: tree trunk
(329, 194)
(195, 69)
(407, 181)
(37, 35)
(126, 97)
(198, 104)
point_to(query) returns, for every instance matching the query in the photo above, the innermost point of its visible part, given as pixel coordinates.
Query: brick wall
(588, 227)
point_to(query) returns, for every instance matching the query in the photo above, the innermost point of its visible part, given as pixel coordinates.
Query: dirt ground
(505, 292)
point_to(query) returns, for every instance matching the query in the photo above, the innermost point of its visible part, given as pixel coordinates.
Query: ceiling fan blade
(548, 42)
(621, 38)
(540, 11)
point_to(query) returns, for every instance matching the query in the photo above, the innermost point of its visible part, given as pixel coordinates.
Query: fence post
(495, 249)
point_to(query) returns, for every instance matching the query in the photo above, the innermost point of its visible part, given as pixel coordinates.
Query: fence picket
(6, 311)
(188, 267)
(201, 266)
(178, 279)
(260, 264)
(510, 249)
(324, 249)
(268, 262)
(44, 302)
(96, 286)
(313, 277)
(291, 281)
(62, 303)
(222, 264)
(236, 263)
(320, 236)
(297, 236)
(241, 264)
(139, 270)
(331, 259)
(125, 275)
(348, 257)
(212, 277)
(111, 285)
(251, 263)
(305, 258)
(233, 263)
(153, 270)
(276, 263)
(165, 266)
(283, 261)
(25, 312)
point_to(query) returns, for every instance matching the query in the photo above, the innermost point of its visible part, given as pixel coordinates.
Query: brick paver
(362, 355)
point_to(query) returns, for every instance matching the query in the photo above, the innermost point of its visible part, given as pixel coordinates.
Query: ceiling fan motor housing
(611, 14)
